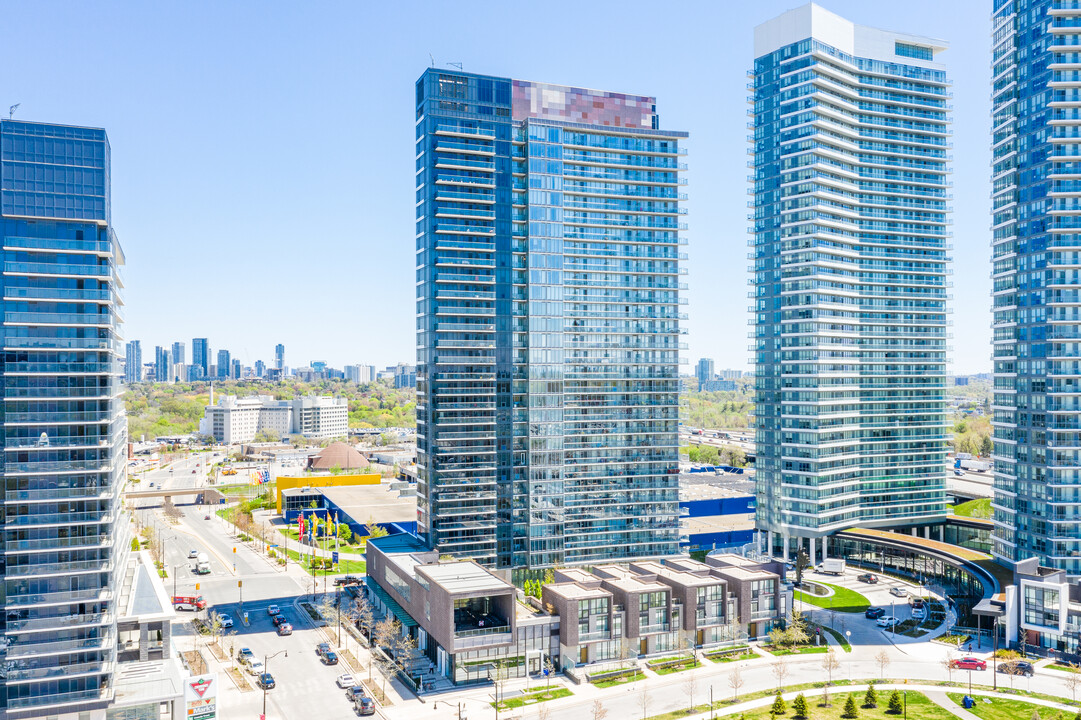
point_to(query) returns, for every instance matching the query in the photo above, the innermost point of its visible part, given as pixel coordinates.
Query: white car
(226, 621)
(898, 592)
(255, 667)
(918, 613)
(345, 681)
(192, 554)
(887, 621)
(273, 610)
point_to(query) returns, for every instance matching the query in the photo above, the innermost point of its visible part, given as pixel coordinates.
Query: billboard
(201, 697)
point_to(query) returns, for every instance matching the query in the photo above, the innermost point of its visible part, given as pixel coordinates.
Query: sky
(263, 152)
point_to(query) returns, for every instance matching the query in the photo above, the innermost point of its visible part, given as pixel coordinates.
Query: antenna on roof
(12, 109)
(455, 64)
(432, 59)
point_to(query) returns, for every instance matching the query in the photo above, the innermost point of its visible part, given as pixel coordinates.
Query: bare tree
(947, 664)
(883, 660)
(735, 681)
(214, 627)
(544, 712)
(643, 700)
(385, 631)
(829, 664)
(600, 712)
(1072, 681)
(780, 671)
(690, 686)
(549, 671)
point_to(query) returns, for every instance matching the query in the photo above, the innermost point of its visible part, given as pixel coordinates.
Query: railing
(476, 632)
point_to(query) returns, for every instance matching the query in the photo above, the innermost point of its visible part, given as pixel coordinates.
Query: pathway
(943, 701)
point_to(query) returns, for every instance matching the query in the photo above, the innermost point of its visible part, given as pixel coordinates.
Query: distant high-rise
(180, 353)
(200, 355)
(66, 538)
(260, 368)
(704, 371)
(851, 136)
(1036, 232)
(548, 222)
(361, 373)
(162, 369)
(279, 356)
(133, 362)
(236, 369)
(224, 364)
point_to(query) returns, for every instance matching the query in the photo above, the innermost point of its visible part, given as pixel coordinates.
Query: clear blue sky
(263, 151)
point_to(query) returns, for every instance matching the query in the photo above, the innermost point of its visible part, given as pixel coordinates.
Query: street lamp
(461, 710)
(266, 660)
(905, 693)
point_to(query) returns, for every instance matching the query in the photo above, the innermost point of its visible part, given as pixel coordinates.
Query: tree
(375, 530)
(850, 711)
(385, 631)
(544, 712)
(1072, 681)
(947, 663)
(830, 663)
(802, 563)
(987, 446)
(883, 660)
(643, 700)
(799, 705)
(870, 698)
(896, 705)
(363, 614)
(797, 629)
(779, 707)
(214, 628)
(778, 637)
(345, 533)
(780, 671)
(600, 712)
(735, 681)
(690, 685)
(1035, 715)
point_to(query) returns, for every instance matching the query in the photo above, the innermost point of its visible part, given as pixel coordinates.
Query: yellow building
(288, 483)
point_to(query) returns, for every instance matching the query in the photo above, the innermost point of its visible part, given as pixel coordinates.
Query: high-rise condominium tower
(548, 224)
(133, 362)
(66, 545)
(162, 364)
(1036, 196)
(180, 353)
(200, 355)
(224, 364)
(851, 134)
(704, 370)
(279, 356)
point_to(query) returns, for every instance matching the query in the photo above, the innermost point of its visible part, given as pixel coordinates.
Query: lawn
(1062, 668)
(619, 681)
(1003, 709)
(533, 698)
(344, 566)
(749, 655)
(326, 543)
(918, 707)
(677, 668)
(800, 650)
(842, 599)
(980, 508)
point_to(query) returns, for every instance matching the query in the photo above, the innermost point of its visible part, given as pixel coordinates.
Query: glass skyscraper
(133, 362)
(200, 355)
(850, 241)
(548, 299)
(1036, 225)
(65, 436)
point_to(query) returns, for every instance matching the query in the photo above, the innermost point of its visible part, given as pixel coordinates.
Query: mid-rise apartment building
(704, 371)
(66, 549)
(548, 290)
(1036, 236)
(850, 241)
(133, 362)
(237, 420)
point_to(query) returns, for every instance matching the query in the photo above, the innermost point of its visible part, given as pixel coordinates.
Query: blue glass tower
(64, 462)
(1036, 176)
(200, 356)
(548, 294)
(851, 134)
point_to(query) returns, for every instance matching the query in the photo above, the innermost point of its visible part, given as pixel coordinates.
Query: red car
(969, 663)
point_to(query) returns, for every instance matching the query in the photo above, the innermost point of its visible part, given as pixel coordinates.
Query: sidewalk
(944, 702)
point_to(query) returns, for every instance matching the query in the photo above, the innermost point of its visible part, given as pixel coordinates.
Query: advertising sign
(201, 697)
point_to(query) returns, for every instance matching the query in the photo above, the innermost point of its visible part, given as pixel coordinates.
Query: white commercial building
(237, 420)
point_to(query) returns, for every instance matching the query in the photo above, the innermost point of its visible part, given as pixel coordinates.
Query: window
(1041, 606)
(913, 51)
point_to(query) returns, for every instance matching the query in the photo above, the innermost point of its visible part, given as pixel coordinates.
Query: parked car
(244, 656)
(255, 667)
(330, 658)
(206, 517)
(266, 681)
(193, 554)
(273, 610)
(279, 620)
(322, 649)
(887, 621)
(867, 578)
(919, 613)
(898, 592)
(285, 629)
(226, 621)
(345, 681)
(355, 693)
(364, 705)
(1017, 667)
(346, 580)
(873, 613)
(969, 663)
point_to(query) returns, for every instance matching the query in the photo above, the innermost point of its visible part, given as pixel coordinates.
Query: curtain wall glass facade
(548, 303)
(65, 433)
(850, 242)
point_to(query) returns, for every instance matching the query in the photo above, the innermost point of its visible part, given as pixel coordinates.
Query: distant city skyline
(290, 238)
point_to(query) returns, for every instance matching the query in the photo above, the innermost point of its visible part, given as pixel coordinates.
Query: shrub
(870, 699)
(850, 711)
(799, 705)
(135, 544)
(779, 707)
(896, 705)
